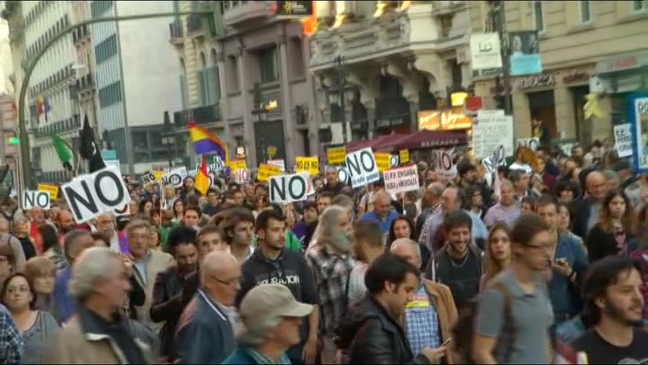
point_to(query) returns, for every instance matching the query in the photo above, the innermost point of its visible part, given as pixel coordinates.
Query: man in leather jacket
(371, 333)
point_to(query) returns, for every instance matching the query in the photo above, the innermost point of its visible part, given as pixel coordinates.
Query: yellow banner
(267, 171)
(51, 189)
(403, 156)
(383, 160)
(308, 164)
(236, 165)
(158, 175)
(336, 156)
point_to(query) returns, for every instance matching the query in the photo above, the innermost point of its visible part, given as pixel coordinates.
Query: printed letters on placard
(288, 188)
(499, 156)
(362, 167)
(175, 177)
(343, 175)
(401, 179)
(33, 199)
(91, 195)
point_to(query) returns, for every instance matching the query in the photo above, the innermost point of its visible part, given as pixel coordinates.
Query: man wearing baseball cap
(270, 322)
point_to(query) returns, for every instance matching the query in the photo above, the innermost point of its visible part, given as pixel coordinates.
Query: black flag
(88, 148)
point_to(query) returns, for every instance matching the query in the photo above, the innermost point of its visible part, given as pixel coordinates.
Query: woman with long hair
(498, 253)
(403, 227)
(36, 326)
(616, 228)
(41, 274)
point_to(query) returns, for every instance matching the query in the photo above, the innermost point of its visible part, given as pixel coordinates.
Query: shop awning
(358, 145)
(424, 139)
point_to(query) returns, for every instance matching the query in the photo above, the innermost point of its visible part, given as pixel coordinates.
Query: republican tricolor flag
(202, 177)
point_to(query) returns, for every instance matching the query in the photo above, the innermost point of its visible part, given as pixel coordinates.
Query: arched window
(184, 88)
(203, 79)
(214, 78)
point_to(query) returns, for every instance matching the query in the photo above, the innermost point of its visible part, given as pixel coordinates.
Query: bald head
(596, 185)
(217, 264)
(382, 203)
(407, 249)
(436, 189)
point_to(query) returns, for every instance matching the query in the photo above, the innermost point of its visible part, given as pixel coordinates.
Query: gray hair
(70, 240)
(436, 188)
(20, 219)
(407, 242)
(610, 175)
(93, 265)
(343, 201)
(253, 333)
(328, 222)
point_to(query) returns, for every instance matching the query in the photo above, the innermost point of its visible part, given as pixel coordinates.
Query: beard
(618, 314)
(342, 241)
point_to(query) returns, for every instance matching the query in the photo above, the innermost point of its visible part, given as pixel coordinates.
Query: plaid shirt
(11, 341)
(422, 322)
(331, 271)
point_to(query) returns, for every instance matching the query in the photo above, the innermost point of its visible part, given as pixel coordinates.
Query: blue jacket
(204, 334)
(245, 355)
(64, 303)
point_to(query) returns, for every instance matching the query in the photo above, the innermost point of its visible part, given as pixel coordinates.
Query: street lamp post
(169, 137)
(25, 149)
(341, 97)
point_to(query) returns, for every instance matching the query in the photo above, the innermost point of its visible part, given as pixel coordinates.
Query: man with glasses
(205, 333)
(147, 264)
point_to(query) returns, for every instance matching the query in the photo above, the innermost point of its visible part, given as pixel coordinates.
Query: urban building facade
(268, 98)
(193, 37)
(8, 135)
(582, 44)
(51, 109)
(381, 67)
(136, 81)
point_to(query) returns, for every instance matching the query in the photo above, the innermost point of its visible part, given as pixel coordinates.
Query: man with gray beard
(331, 262)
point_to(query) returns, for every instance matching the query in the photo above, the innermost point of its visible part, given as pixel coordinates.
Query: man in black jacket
(167, 299)
(371, 333)
(271, 263)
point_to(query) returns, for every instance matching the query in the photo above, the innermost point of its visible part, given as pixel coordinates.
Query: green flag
(64, 151)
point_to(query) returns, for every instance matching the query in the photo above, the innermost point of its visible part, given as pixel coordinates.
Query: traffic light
(14, 141)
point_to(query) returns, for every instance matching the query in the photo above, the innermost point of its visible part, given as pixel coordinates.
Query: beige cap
(272, 300)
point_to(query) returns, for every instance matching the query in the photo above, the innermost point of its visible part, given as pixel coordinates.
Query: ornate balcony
(176, 33)
(200, 115)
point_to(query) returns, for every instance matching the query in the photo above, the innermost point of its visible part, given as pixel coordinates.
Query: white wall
(150, 63)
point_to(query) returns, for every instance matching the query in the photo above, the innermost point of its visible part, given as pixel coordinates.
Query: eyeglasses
(229, 282)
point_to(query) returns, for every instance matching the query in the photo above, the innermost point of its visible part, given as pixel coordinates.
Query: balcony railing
(80, 35)
(200, 115)
(195, 25)
(176, 34)
(74, 122)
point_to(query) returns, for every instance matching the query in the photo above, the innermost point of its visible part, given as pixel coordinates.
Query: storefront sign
(388, 123)
(576, 76)
(535, 82)
(622, 63)
(638, 117)
(443, 120)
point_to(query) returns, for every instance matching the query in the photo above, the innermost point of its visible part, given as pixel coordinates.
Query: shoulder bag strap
(508, 329)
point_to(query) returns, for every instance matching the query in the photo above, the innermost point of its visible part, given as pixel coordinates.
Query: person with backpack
(511, 320)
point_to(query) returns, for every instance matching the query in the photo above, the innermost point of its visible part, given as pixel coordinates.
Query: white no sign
(288, 188)
(362, 167)
(35, 199)
(91, 195)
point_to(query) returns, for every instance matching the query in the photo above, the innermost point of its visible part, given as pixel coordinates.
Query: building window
(141, 146)
(99, 8)
(110, 95)
(585, 11)
(233, 84)
(106, 49)
(640, 5)
(538, 15)
(268, 65)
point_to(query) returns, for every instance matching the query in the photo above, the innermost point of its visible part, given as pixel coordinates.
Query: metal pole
(500, 23)
(25, 150)
(341, 85)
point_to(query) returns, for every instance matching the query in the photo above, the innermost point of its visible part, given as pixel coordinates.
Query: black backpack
(464, 330)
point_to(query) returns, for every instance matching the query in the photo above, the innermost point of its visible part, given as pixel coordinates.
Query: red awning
(387, 144)
(358, 145)
(426, 139)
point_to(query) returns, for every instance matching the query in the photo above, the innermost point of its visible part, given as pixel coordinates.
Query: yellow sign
(236, 165)
(51, 189)
(383, 160)
(308, 164)
(158, 175)
(267, 171)
(336, 156)
(403, 156)
(272, 151)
